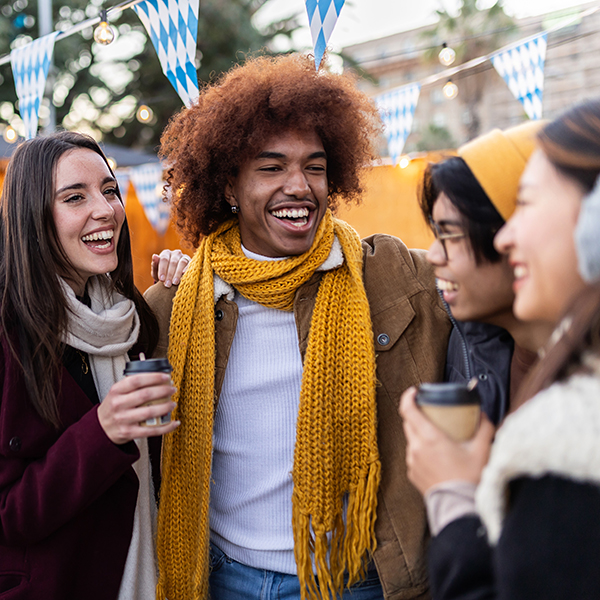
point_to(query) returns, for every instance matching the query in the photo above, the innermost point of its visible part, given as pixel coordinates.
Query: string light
(10, 135)
(144, 113)
(112, 163)
(104, 33)
(450, 90)
(447, 56)
(404, 162)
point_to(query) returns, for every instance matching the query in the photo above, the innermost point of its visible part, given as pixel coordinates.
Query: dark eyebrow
(82, 186)
(268, 154)
(446, 222)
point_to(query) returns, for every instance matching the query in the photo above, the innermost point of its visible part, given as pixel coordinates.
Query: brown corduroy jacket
(410, 329)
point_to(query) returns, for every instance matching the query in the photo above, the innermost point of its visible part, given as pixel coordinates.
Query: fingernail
(168, 283)
(175, 281)
(162, 277)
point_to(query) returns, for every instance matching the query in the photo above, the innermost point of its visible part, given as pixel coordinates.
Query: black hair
(480, 218)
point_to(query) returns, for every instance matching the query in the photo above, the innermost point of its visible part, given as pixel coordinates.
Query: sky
(362, 20)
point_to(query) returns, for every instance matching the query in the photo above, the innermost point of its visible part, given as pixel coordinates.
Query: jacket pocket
(390, 324)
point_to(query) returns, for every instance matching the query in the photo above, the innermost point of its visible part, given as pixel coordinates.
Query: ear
(229, 195)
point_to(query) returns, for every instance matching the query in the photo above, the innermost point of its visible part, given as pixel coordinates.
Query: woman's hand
(432, 457)
(121, 412)
(169, 266)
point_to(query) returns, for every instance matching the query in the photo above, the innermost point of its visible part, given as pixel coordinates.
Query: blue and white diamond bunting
(30, 66)
(173, 28)
(123, 179)
(322, 16)
(148, 182)
(522, 67)
(397, 109)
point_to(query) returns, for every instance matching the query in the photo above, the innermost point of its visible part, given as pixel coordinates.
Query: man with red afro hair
(291, 343)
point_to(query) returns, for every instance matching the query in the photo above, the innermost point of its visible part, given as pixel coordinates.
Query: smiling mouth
(520, 271)
(446, 286)
(294, 216)
(99, 240)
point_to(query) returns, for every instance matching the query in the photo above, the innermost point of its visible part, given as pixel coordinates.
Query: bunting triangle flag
(123, 178)
(148, 182)
(30, 65)
(397, 109)
(522, 67)
(173, 28)
(322, 16)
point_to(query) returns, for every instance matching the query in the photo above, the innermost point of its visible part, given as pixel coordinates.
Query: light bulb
(450, 90)
(104, 33)
(10, 135)
(404, 162)
(144, 114)
(447, 55)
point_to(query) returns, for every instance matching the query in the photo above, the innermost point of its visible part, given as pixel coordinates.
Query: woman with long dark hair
(76, 501)
(538, 497)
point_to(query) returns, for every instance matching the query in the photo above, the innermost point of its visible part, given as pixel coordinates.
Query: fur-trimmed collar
(334, 260)
(557, 432)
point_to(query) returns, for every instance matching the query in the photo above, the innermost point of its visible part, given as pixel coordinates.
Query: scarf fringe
(349, 549)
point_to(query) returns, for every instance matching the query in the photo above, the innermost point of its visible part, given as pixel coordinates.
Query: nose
(436, 255)
(103, 208)
(296, 184)
(503, 240)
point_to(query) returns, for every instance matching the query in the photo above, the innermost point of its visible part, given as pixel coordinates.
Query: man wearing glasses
(467, 199)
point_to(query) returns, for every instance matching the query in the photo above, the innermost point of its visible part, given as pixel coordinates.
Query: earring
(235, 209)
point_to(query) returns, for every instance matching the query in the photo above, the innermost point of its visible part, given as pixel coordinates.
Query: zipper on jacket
(460, 333)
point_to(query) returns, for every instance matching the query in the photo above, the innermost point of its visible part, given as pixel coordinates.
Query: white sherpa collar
(556, 432)
(334, 260)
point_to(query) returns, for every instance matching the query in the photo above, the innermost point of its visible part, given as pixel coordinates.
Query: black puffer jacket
(484, 351)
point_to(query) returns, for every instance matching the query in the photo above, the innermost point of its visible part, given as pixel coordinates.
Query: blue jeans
(231, 580)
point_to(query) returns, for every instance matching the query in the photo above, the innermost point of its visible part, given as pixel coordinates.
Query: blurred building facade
(572, 73)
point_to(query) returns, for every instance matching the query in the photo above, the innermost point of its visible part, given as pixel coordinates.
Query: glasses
(442, 237)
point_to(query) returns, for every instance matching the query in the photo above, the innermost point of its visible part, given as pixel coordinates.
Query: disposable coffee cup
(454, 407)
(151, 365)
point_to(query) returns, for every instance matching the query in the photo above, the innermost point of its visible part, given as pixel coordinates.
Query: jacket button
(483, 377)
(15, 444)
(383, 339)
(219, 315)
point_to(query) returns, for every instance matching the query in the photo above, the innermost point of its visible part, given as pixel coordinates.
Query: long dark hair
(33, 310)
(572, 144)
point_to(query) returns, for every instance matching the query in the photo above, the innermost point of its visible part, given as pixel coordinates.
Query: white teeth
(100, 235)
(446, 286)
(290, 213)
(520, 271)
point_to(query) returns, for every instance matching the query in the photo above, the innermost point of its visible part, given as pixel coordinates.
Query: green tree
(471, 32)
(98, 89)
(435, 137)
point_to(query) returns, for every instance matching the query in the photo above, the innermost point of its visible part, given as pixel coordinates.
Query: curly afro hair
(205, 145)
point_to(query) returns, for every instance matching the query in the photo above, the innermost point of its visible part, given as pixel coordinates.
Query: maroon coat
(67, 497)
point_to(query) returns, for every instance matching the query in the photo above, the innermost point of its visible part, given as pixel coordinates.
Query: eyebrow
(445, 222)
(269, 154)
(82, 186)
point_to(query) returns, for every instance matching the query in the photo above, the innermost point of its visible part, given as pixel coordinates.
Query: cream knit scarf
(336, 447)
(106, 331)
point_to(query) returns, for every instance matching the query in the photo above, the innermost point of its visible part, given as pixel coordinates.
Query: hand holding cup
(139, 405)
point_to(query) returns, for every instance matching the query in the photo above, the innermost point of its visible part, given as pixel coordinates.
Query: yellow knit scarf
(336, 446)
